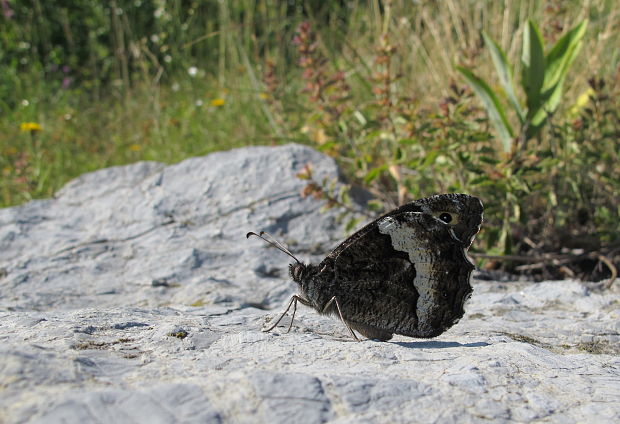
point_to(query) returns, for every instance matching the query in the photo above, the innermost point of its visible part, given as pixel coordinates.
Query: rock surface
(134, 297)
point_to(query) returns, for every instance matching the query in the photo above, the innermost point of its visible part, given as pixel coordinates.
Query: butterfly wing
(405, 273)
(465, 210)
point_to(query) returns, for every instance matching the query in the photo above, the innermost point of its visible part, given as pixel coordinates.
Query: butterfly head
(303, 274)
(298, 271)
(463, 213)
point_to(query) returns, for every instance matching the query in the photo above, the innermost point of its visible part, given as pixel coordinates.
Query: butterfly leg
(326, 309)
(292, 316)
(294, 301)
(303, 302)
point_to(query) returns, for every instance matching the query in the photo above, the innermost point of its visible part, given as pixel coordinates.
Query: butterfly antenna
(273, 242)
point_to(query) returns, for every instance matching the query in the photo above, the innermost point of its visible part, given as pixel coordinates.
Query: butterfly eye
(446, 217)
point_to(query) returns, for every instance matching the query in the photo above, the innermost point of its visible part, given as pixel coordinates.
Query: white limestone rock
(134, 297)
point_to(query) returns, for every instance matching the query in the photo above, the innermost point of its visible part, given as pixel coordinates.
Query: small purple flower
(6, 9)
(66, 82)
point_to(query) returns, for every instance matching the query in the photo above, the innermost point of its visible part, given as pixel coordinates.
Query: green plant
(542, 79)
(536, 198)
(115, 82)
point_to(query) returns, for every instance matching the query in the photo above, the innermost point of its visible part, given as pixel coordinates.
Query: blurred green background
(86, 84)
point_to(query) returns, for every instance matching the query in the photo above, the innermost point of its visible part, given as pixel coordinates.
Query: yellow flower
(582, 102)
(135, 147)
(218, 102)
(263, 96)
(320, 136)
(30, 126)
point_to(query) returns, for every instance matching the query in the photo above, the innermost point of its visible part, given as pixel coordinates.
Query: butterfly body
(405, 273)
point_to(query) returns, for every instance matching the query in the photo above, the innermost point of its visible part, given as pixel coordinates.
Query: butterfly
(406, 273)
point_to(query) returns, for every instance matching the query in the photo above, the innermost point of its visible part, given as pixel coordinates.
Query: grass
(114, 83)
(162, 123)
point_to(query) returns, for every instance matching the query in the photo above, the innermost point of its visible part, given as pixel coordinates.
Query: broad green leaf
(502, 67)
(558, 62)
(533, 72)
(492, 105)
(563, 54)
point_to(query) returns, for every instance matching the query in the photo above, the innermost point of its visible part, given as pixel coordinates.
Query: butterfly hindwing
(406, 273)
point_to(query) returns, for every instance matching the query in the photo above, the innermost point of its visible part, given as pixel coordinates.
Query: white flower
(192, 71)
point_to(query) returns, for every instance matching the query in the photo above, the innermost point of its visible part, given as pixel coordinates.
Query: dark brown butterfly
(405, 273)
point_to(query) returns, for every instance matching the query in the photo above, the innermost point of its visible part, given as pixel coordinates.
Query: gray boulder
(134, 296)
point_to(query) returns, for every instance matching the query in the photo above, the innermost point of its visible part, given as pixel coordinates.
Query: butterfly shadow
(438, 344)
